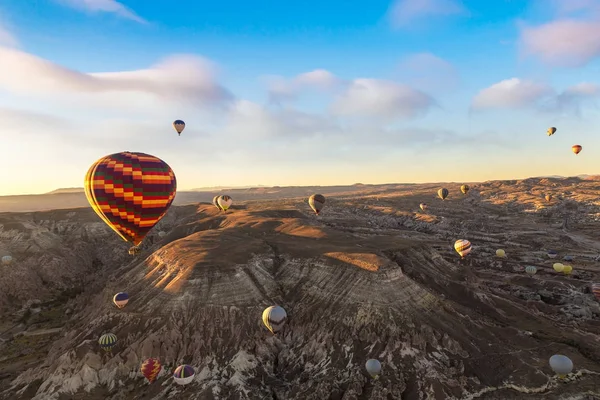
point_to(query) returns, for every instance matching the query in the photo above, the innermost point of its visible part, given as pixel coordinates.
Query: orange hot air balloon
(131, 192)
(150, 369)
(576, 149)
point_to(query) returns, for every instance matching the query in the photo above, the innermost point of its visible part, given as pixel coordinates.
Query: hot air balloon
(423, 206)
(150, 369)
(184, 374)
(179, 126)
(216, 202)
(576, 149)
(121, 299)
(373, 367)
(548, 197)
(596, 290)
(107, 341)
(551, 131)
(7, 260)
(568, 258)
(567, 270)
(130, 192)
(274, 318)
(442, 193)
(500, 253)
(558, 267)
(224, 202)
(464, 189)
(462, 247)
(561, 365)
(552, 254)
(162, 234)
(316, 202)
(531, 270)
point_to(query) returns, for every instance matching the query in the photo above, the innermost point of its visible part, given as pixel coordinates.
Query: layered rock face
(371, 277)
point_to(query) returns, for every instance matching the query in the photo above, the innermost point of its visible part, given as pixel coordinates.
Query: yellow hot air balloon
(558, 267)
(500, 253)
(551, 131)
(567, 270)
(462, 247)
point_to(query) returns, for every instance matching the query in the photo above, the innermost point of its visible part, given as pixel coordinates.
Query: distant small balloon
(552, 254)
(551, 131)
(531, 270)
(500, 253)
(179, 126)
(462, 247)
(107, 341)
(561, 365)
(316, 202)
(184, 374)
(224, 202)
(162, 234)
(567, 270)
(7, 260)
(121, 299)
(548, 197)
(558, 267)
(465, 189)
(373, 367)
(274, 318)
(596, 290)
(576, 149)
(423, 206)
(443, 193)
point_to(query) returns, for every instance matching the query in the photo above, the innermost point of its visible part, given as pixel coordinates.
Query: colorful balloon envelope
(130, 192)
(567, 270)
(576, 149)
(316, 202)
(215, 202)
(552, 254)
(530, 270)
(596, 290)
(462, 247)
(548, 197)
(274, 318)
(7, 260)
(107, 341)
(150, 369)
(224, 202)
(179, 126)
(500, 253)
(184, 374)
(558, 267)
(443, 193)
(423, 206)
(121, 299)
(465, 189)
(551, 131)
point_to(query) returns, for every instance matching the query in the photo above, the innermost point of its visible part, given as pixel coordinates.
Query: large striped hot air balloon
(274, 318)
(184, 374)
(224, 202)
(179, 126)
(443, 193)
(131, 192)
(107, 341)
(462, 247)
(596, 290)
(316, 202)
(150, 369)
(121, 299)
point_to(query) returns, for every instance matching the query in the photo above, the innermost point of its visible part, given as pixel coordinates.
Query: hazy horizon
(387, 91)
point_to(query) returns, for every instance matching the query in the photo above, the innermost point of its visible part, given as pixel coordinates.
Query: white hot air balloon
(274, 318)
(373, 367)
(531, 270)
(562, 365)
(7, 260)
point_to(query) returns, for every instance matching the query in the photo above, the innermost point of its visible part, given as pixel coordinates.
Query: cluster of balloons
(131, 192)
(575, 148)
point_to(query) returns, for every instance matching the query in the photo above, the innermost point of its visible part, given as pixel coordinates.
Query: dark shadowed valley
(372, 276)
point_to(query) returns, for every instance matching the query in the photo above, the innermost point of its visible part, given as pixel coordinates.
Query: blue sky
(299, 93)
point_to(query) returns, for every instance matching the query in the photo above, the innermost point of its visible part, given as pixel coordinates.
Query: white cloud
(566, 43)
(109, 6)
(184, 77)
(403, 12)
(282, 89)
(511, 93)
(380, 98)
(429, 72)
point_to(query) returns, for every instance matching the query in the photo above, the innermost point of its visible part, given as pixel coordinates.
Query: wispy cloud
(184, 77)
(405, 12)
(381, 99)
(429, 72)
(108, 6)
(516, 93)
(7, 38)
(281, 89)
(571, 39)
